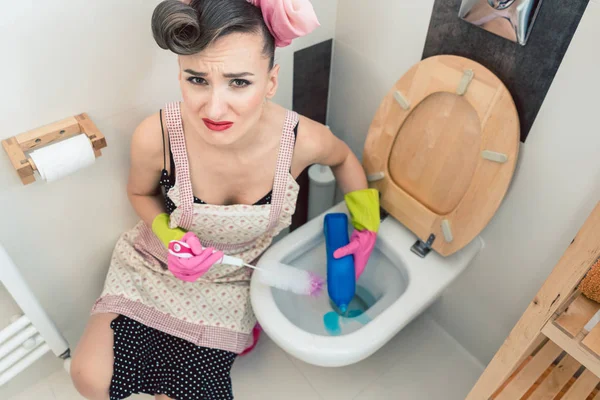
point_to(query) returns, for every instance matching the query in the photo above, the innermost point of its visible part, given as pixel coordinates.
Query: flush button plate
(510, 19)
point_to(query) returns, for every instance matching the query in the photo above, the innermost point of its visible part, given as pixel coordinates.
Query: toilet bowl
(441, 150)
(400, 284)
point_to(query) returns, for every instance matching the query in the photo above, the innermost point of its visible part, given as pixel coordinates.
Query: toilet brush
(278, 275)
(285, 277)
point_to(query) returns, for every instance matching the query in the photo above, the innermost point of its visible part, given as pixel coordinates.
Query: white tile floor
(422, 362)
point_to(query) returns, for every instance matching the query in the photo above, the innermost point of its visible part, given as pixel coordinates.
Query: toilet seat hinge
(421, 248)
(382, 213)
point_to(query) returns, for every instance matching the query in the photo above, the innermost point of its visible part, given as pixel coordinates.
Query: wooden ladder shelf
(549, 354)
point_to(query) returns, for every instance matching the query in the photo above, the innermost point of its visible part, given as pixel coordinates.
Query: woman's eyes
(240, 83)
(197, 81)
(236, 83)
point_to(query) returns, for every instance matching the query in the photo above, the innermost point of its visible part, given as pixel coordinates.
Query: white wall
(374, 46)
(62, 58)
(556, 185)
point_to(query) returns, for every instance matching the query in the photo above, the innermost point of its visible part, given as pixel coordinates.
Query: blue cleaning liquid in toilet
(332, 320)
(332, 323)
(358, 315)
(357, 312)
(341, 280)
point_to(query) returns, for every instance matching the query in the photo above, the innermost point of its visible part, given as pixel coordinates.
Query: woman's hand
(361, 245)
(190, 269)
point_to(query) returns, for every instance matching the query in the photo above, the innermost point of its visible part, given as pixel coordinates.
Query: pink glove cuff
(287, 19)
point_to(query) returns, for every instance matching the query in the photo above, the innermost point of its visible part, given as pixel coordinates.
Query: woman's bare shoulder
(312, 141)
(309, 127)
(147, 141)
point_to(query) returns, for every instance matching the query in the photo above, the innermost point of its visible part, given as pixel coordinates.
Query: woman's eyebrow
(226, 75)
(195, 73)
(237, 74)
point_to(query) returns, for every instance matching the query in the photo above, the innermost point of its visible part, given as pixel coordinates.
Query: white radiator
(30, 336)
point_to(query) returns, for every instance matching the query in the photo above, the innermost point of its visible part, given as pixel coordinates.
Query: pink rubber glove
(190, 269)
(361, 245)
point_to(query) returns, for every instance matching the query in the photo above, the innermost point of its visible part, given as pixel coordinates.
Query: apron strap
(182, 170)
(284, 162)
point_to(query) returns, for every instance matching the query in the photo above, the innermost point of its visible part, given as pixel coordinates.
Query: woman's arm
(146, 166)
(317, 145)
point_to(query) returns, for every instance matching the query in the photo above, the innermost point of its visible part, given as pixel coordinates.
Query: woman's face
(225, 87)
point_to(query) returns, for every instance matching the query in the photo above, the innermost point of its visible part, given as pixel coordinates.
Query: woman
(216, 171)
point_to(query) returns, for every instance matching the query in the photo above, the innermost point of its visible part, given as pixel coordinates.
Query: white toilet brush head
(291, 279)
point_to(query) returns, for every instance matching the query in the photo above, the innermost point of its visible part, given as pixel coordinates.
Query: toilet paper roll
(61, 159)
(321, 192)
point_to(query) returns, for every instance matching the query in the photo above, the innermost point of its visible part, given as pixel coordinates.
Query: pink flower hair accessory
(287, 19)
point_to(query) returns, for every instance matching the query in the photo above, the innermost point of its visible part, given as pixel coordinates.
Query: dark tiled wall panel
(312, 68)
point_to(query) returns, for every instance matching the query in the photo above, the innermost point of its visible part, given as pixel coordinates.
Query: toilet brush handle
(183, 250)
(237, 262)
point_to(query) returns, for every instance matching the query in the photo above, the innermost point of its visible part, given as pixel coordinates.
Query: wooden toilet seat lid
(442, 150)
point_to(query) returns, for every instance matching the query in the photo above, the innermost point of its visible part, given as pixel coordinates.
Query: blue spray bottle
(341, 279)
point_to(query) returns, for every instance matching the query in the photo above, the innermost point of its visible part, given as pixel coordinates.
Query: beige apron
(215, 310)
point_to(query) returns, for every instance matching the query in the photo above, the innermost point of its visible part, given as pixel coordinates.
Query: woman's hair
(188, 29)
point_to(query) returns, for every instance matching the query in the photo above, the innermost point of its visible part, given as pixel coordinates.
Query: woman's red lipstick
(217, 126)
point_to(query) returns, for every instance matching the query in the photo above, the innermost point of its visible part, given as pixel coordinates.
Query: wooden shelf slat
(577, 314)
(556, 380)
(531, 372)
(572, 347)
(592, 341)
(583, 386)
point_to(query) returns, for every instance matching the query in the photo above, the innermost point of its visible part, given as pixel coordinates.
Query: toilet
(442, 150)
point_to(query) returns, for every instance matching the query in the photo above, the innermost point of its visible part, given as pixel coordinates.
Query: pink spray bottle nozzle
(180, 249)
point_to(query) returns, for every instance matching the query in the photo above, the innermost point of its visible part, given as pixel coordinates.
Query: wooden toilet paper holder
(16, 146)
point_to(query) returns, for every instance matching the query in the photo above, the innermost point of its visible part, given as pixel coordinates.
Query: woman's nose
(216, 108)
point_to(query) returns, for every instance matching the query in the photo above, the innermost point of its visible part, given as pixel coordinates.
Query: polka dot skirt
(152, 362)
